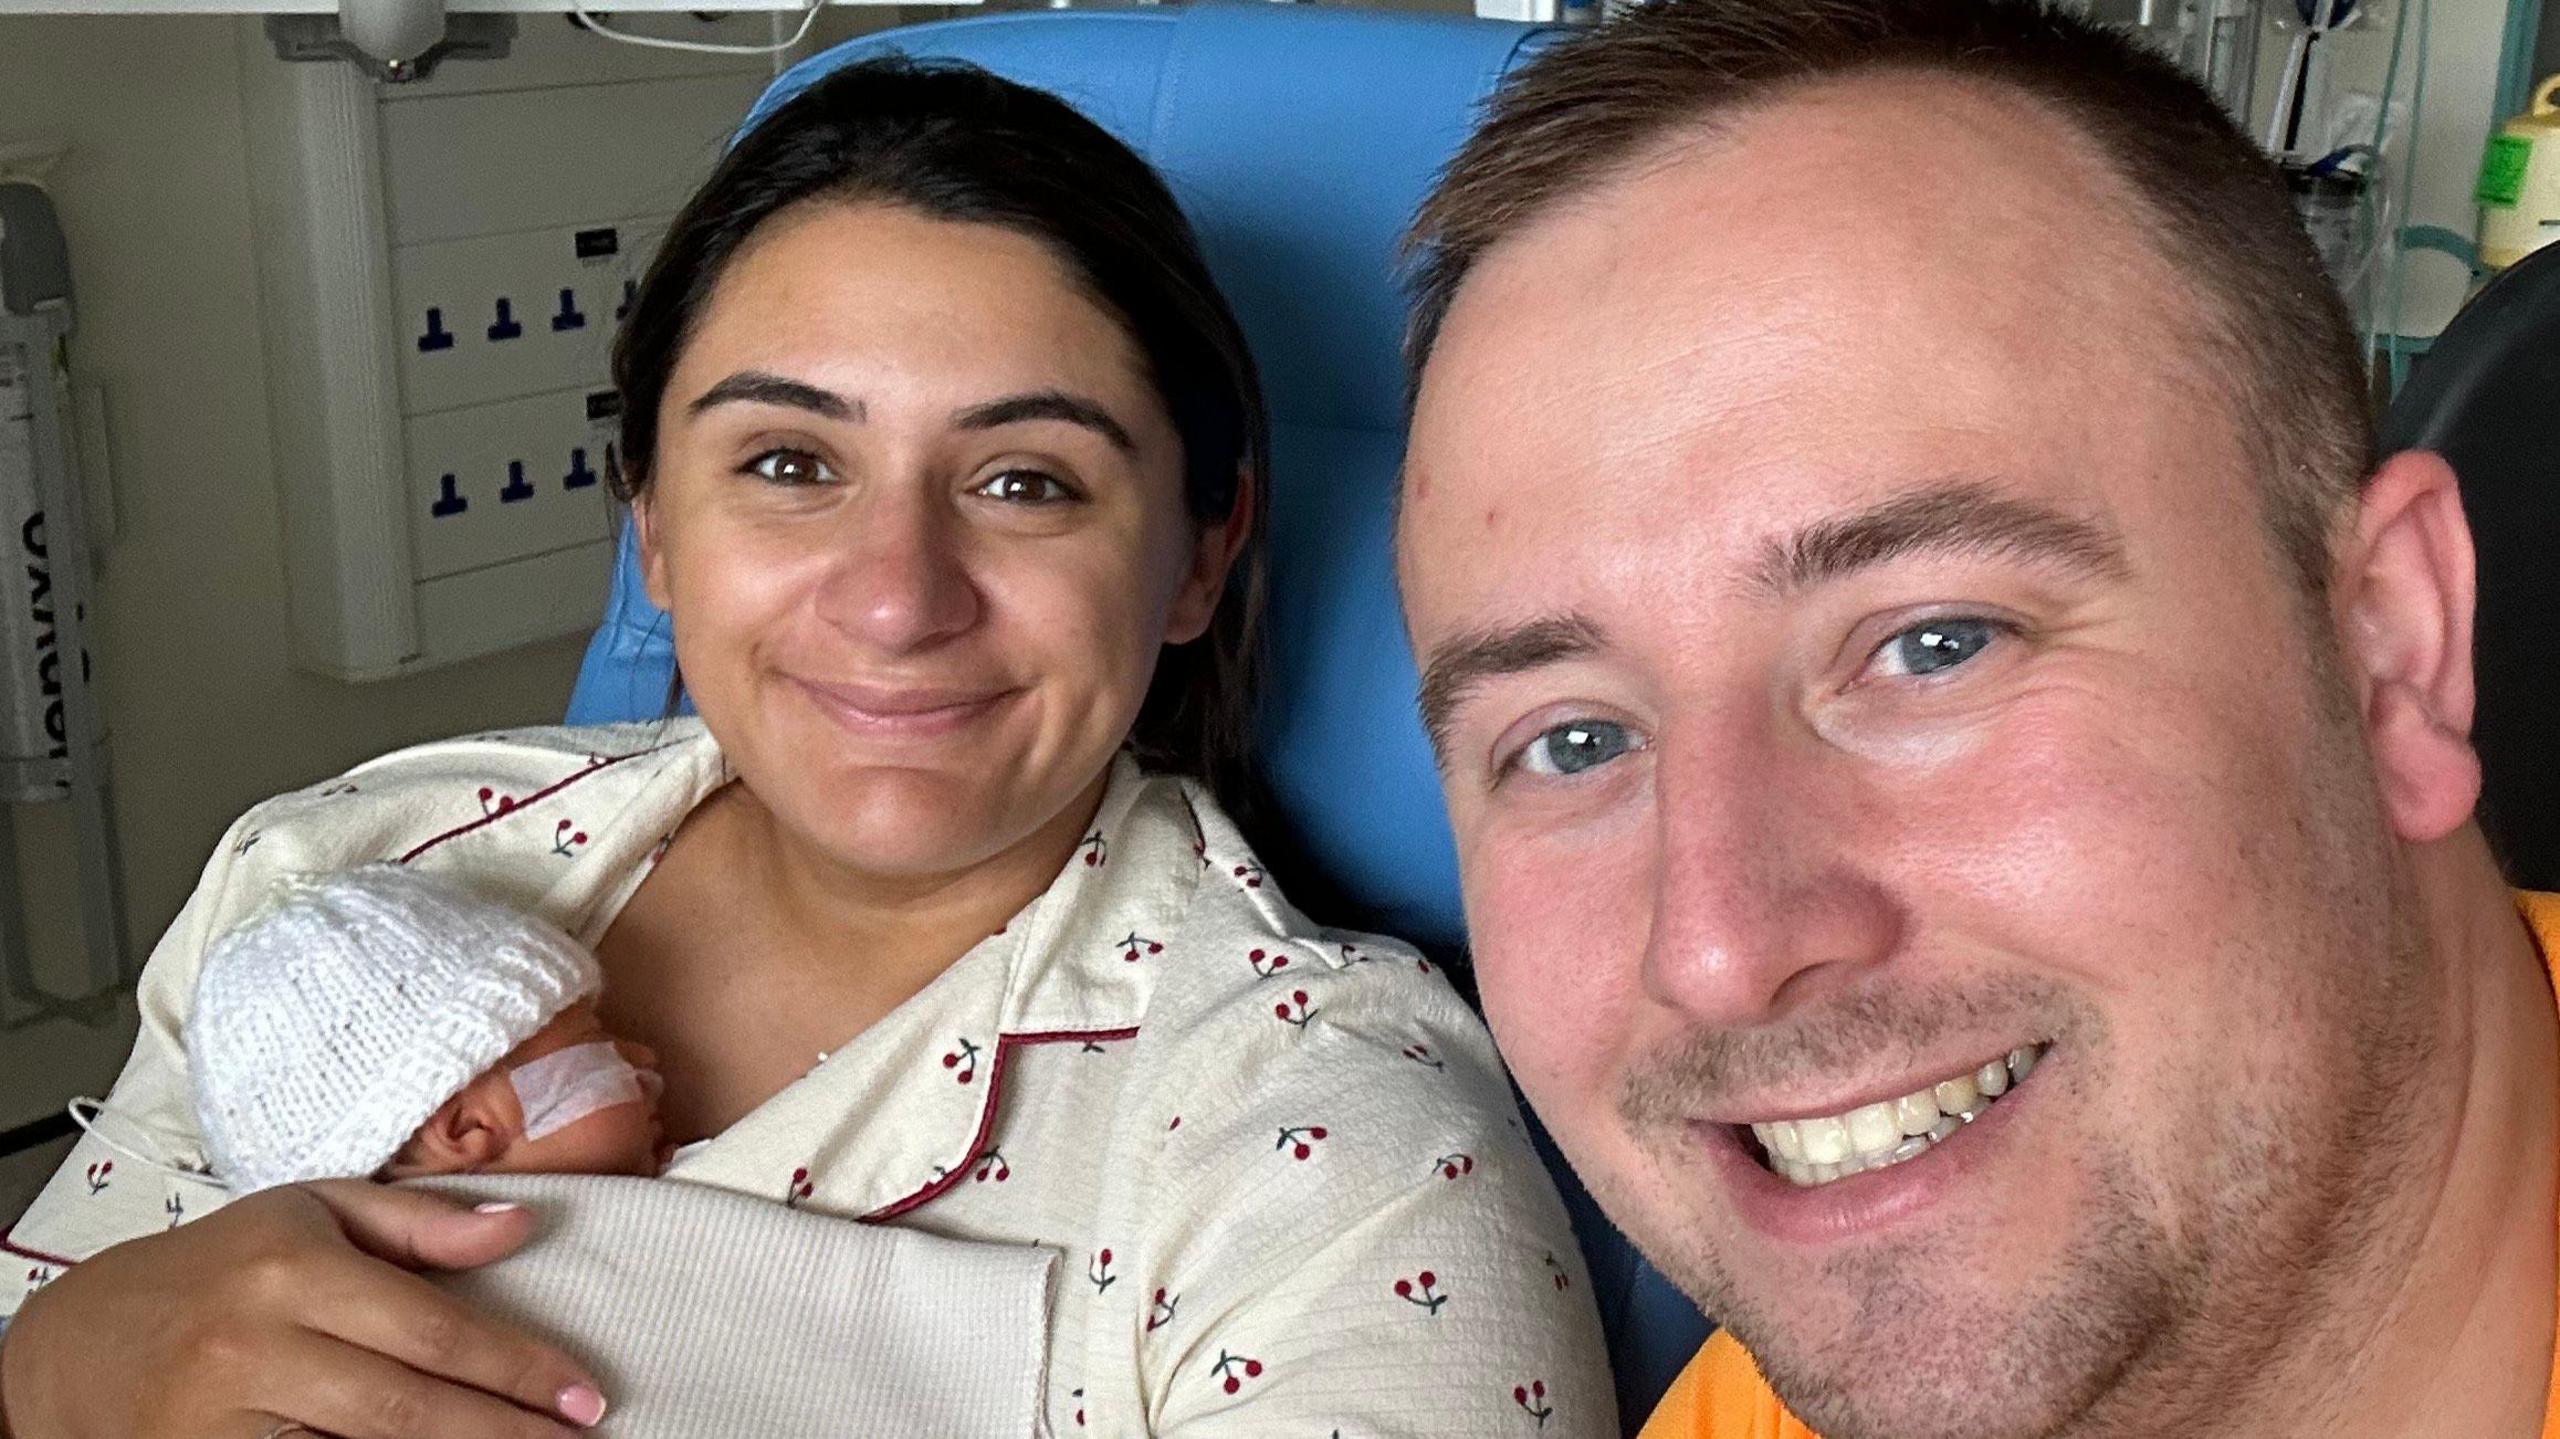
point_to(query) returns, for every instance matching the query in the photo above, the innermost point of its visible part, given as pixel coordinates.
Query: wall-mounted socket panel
(506, 315)
(508, 481)
(443, 268)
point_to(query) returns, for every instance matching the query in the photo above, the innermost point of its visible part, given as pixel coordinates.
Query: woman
(937, 433)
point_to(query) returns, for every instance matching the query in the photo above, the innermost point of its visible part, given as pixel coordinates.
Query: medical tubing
(2382, 193)
(2425, 16)
(92, 1124)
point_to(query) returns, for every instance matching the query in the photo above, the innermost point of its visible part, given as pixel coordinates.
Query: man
(1958, 752)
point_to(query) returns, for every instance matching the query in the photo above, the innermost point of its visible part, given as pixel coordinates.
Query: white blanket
(707, 1313)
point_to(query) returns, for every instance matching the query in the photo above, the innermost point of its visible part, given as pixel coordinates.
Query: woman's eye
(1026, 487)
(1575, 746)
(790, 467)
(1934, 646)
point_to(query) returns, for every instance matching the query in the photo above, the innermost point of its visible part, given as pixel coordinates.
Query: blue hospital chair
(1300, 141)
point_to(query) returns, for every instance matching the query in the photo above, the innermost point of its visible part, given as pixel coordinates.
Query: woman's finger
(407, 1319)
(195, 1328)
(351, 1392)
(271, 1426)
(417, 1230)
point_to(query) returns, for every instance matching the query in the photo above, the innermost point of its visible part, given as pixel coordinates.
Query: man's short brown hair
(1580, 114)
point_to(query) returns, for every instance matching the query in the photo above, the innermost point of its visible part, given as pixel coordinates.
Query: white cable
(808, 19)
(2296, 57)
(91, 1115)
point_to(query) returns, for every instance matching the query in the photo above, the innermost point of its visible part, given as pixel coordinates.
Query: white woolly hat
(328, 1028)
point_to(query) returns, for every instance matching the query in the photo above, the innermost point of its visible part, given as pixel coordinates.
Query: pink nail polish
(581, 1405)
(499, 1208)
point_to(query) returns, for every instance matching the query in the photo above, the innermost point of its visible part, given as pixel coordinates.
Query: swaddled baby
(381, 1023)
(384, 1024)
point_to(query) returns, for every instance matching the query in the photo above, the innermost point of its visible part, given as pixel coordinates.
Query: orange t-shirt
(1722, 1396)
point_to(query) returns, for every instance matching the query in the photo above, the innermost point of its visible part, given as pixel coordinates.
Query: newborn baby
(383, 1024)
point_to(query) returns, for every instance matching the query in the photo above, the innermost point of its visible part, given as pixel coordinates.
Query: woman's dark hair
(953, 142)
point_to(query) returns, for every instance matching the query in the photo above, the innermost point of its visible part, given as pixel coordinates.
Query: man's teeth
(1818, 1151)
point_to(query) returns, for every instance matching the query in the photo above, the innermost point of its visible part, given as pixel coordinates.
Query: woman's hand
(292, 1307)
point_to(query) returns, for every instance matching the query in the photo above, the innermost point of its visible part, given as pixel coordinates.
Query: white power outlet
(509, 481)
(509, 315)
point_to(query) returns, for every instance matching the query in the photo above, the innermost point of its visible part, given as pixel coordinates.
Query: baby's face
(591, 1115)
(619, 1138)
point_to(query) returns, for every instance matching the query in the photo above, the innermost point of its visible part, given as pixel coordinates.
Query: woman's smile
(898, 712)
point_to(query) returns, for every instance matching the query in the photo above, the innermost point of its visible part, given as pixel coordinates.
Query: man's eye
(790, 467)
(1575, 746)
(1026, 487)
(1936, 645)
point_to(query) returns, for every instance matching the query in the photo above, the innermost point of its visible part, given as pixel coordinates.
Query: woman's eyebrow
(757, 387)
(1047, 405)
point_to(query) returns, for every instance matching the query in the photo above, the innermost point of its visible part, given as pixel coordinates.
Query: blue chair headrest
(1299, 141)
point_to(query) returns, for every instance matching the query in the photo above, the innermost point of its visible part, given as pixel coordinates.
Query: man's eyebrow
(1048, 405)
(758, 387)
(1467, 659)
(1963, 517)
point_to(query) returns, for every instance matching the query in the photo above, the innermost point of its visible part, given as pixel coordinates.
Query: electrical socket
(490, 484)
(509, 315)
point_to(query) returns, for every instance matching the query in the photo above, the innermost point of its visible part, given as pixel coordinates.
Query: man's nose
(1760, 902)
(903, 580)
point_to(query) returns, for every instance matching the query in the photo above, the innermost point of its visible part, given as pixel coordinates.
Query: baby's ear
(471, 1131)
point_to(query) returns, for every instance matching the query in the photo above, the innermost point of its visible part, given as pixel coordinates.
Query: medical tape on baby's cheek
(567, 1085)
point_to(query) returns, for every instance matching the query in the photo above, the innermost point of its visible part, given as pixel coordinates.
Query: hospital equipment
(392, 31)
(394, 35)
(2306, 71)
(2519, 190)
(1299, 139)
(2214, 40)
(52, 741)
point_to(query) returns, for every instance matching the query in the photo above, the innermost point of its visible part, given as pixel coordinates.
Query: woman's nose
(904, 582)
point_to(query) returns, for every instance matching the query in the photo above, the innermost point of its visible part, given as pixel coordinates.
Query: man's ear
(471, 1131)
(2405, 594)
(1195, 605)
